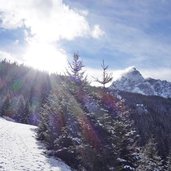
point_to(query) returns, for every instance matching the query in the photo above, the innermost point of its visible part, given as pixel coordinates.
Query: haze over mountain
(133, 81)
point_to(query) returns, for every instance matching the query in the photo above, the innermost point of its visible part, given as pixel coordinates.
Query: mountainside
(133, 81)
(19, 150)
(89, 128)
(152, 117)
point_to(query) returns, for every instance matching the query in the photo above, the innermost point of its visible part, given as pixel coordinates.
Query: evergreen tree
(66, 147)
(23, 112)
(168, 166)
(58, 127)
(26, 113)
(75, 72)
(20, 111)
(106, 78)
(125, 143)
(42, 132)
(120, 151)
(51, 120)
(5, 109)
(149, 159)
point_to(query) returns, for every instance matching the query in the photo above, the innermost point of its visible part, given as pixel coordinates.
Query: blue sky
(122, 32)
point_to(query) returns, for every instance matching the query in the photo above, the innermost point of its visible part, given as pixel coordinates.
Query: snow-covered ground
(20, 151)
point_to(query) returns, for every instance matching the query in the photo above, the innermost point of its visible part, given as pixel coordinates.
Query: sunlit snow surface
(20, 151)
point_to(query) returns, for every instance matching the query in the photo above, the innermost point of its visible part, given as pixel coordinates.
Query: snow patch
(19, 150)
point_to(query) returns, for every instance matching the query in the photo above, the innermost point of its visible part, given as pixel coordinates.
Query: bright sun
(45, 57)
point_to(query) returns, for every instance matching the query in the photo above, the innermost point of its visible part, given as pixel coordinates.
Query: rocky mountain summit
(133, 81)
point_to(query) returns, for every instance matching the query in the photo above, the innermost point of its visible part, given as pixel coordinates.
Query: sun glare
(45, 57)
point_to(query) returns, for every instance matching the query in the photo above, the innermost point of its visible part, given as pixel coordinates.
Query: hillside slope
(79, 123)
(152, 116)
(19, 150)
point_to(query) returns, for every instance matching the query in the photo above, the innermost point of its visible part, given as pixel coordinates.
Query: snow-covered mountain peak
(132, 81)
(131, 69)
(132, 74)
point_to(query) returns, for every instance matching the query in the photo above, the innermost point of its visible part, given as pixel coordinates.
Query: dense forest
(152, 116)
(90, 128)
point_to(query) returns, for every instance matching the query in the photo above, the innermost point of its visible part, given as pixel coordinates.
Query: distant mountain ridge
(133, 81)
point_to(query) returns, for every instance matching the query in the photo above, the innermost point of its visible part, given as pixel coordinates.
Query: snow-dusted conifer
(168, 166)
(125, 142)
(5, 107)
(75, 72)
(149, 159)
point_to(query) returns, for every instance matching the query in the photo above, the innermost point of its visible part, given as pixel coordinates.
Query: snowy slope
(133, 81)
(20, 151)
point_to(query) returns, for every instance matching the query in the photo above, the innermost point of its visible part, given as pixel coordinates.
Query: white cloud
(139, 46)
(159, 73)
(49, 21)
(10, 20)
(97, 32)
(4, 55)
(8, 57)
